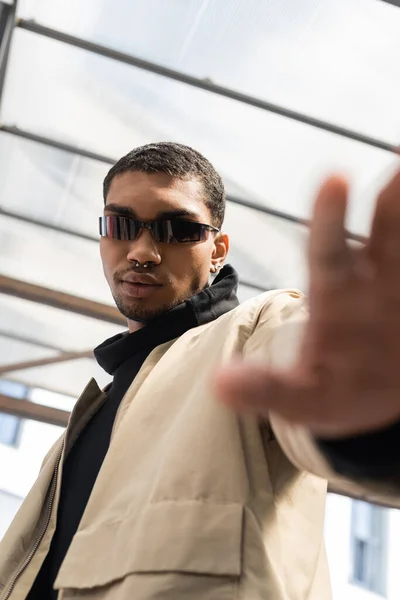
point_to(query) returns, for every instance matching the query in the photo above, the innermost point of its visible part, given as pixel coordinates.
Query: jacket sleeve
(365, 467)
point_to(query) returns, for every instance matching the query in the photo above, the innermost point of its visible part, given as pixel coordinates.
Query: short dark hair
(178, 161)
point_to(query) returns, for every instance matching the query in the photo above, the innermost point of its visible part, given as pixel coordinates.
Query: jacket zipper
(42, 531)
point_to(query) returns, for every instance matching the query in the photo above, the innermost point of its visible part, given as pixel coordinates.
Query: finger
(258, 390)
(329, 254)
(384, 244)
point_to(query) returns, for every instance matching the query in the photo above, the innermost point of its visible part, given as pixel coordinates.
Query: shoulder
(274, 306)
(277, 321)
(263, 312)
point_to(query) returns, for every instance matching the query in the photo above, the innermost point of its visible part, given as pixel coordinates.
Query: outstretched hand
(347, 377)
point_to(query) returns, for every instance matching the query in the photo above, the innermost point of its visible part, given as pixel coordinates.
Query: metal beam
(61, 300)
(80, 152)
(44, 362)
(40, 139)
(24, 409)
(30, 382)
(7, 22)
(50, 226)
(272, 212)
(24, 339)
(203, 84)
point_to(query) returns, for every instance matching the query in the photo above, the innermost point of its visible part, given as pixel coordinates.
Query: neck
(134, 326)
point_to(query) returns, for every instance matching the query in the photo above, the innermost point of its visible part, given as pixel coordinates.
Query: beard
(144, 315)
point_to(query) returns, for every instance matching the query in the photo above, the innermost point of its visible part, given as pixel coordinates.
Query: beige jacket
(192, 501)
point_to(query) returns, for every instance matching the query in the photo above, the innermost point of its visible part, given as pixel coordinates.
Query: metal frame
(40, 139)
(61, 300)
(44, 362)
(7, 21)
(24, 409)
(24, 339)
(202, 84)
(50, 226)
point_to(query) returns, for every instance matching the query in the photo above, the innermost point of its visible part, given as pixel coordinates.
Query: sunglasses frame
(164, 225)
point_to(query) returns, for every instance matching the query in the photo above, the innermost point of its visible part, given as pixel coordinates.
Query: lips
(140, 278)
(139, 290)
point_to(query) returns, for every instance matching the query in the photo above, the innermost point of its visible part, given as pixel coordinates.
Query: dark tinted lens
(185, 231)
(161, 231)
(119, 228)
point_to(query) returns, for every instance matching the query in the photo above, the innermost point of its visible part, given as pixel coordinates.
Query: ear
(220, 251)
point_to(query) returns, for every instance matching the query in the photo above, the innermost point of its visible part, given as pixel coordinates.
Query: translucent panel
(51, 259)
(50, 328)
(19, 468)
(14, 351)
(46, 398)
(27, 330)
(9, 505)
(68, 379)
(337, 61)
(266, 250)
(57, 187)
(110, 108)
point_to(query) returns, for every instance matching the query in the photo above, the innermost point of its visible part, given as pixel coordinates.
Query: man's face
(178, 270)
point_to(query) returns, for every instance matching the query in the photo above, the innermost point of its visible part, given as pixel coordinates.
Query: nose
(144, 249)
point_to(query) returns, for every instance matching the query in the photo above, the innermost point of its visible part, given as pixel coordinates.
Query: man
(160, 490)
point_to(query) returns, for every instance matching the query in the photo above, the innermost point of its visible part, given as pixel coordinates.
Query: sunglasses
(170, 231)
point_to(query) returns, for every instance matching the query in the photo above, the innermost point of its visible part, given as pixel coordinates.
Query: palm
(347, 378)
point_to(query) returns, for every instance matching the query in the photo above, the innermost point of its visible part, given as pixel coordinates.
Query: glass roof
(332, 61)
(109, 108)
(336, 61)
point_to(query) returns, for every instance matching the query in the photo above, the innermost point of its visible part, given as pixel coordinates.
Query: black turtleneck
(121, 356)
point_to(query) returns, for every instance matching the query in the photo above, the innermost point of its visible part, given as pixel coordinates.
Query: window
(368, 546)
(10, 425)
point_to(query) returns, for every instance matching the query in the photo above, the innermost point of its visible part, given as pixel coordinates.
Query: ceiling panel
(68, 378)
(57, 187)
(15, 351)
(336, 61)
(110, 108)
(60, 330)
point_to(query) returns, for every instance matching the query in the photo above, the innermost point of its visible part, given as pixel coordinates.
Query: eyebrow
(126, 211)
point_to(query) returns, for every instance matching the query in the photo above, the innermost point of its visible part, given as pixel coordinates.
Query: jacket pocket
(191, 548)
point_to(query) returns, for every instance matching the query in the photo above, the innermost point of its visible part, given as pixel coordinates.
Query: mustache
(152, 271)
(122, 273)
